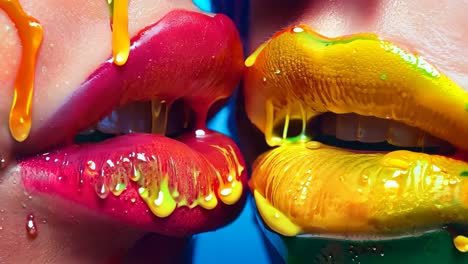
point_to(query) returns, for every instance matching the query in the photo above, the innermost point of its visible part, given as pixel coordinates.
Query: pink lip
(184, 55)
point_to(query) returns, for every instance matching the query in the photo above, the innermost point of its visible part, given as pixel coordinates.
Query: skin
(65, 60)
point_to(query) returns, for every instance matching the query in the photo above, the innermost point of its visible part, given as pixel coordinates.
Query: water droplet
(382, 254)
(277, 71)
(1, 228)
(2, 162)
(31, 227)
(101, 189)
(30, 197)
(133, 199)
(2, 211)
(264, 79)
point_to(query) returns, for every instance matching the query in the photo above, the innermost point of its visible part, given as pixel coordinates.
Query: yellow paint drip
(120, 37)
(230, 190)
(160, 202)
(160, 113)
(461, 243)
(209, 202)
(155, 190)
(30, 34)
(275, 219)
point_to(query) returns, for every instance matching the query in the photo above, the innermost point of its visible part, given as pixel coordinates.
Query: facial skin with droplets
(325, 83)
(95, 202)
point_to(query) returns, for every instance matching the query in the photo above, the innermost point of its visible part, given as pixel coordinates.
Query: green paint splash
(464, 174)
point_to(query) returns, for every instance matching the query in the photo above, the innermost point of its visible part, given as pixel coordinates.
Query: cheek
(10, 55)
(10, 52)
(435, 29)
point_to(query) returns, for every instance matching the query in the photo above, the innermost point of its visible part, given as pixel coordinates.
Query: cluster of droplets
(356, 251)
(157, 179)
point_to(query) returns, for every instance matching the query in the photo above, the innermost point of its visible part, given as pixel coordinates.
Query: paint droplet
(31, 227)
(383, 76)
(313, 145)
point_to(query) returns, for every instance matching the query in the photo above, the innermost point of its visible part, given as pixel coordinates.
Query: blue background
(241, 241)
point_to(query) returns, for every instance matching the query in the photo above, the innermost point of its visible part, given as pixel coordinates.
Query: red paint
(184, 55)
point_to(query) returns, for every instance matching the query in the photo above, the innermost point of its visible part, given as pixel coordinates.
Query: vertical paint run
(120, 37)
(30, 34)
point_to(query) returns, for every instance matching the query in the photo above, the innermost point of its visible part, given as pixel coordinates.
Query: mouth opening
(366, 134)
(138, 117)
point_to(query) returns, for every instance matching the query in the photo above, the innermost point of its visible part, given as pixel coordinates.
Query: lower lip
(201, 169)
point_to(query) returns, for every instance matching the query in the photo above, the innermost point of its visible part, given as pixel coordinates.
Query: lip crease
(184, 55)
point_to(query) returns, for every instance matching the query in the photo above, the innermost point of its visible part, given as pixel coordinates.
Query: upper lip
(299, 74)
(391, 83)
(185, 55)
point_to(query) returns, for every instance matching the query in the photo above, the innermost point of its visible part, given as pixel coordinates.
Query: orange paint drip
(120, 38)
(30, 34)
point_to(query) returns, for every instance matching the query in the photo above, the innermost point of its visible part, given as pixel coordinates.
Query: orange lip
(304, 186)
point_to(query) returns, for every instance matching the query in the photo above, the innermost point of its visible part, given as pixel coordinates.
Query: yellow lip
(305, 186)
(299, 74)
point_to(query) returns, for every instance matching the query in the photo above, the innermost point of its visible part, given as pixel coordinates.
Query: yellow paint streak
(30, 34)
(274, 218)
(120, 37)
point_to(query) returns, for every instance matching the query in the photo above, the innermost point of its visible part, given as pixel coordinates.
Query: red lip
(184, 55)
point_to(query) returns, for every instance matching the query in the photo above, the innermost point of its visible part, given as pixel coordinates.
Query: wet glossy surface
(30, 33)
